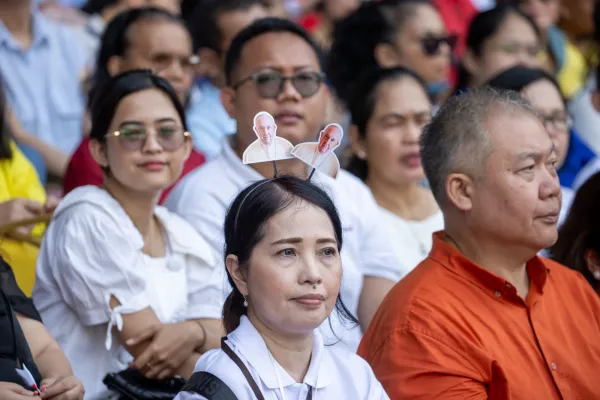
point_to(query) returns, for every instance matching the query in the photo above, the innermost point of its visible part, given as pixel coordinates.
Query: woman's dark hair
(363, 100)
(5, 136)
(482, 27)
(581, 230)
(245, 225)
(108, 96)
(96, 6)
(356, 37)
(116, 39)
(517, 78)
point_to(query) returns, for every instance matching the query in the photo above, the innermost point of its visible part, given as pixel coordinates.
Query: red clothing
(452, 330)
(83, 170)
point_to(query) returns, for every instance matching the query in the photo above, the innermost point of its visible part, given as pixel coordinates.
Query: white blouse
(411, 240)
(333, 373)
(92, 251)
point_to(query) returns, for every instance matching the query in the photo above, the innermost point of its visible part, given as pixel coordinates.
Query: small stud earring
(362, 154)
(596, 274)
(245, 301)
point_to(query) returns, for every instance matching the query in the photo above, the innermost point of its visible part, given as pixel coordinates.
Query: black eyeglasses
(270, 84)
(431, 44)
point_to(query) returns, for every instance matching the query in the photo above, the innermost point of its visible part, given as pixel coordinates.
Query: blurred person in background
(543, 92)
(22, 197)
(330, 12)
(391, 33)
(578, 244)
(214, 24)
(101, 12)
(133, 283)
(42, 65)
(140, 38)
(273, 65)
(562, 58)
(389, 110)
(498, 39)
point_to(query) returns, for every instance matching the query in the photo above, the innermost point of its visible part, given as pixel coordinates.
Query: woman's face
(422, 45)
(145, 165)
(515, 43)
(294, 273)
(391, 143)
(545, 13)
(546, 98)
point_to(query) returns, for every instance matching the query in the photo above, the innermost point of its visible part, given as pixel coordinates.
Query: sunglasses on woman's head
(431, 44)
(270, 84)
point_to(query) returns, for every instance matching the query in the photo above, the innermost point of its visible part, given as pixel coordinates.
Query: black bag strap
(209, 386)
(246, 373)
(243, 368)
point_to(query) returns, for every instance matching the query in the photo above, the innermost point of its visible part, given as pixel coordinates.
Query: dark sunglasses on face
(134, 137)
(431, 45)
(270, 84)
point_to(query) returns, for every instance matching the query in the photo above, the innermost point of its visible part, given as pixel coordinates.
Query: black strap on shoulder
(234, 357)
(209, 386)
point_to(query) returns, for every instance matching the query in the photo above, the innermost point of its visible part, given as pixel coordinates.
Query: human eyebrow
(327, 240)
(291, 240)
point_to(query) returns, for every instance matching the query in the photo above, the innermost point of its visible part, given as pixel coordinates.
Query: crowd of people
(312, 199)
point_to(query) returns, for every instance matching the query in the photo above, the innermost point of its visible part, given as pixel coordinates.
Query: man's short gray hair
(456, 140)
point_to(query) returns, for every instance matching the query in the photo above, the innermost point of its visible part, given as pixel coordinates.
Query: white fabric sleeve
(207, 285)
(94, 260)
(377, 258)
(189, 396)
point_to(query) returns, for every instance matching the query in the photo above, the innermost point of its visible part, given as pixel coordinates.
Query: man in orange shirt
(483, 317)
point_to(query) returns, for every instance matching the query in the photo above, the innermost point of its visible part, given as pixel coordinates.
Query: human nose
(151, 144)
(288, 91)
(311, 272)
(550, 186)
(413, 132)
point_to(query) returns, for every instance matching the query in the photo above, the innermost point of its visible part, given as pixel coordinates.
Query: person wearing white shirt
(121, 281)
(283, 238)
(273, 66)
(389, 111)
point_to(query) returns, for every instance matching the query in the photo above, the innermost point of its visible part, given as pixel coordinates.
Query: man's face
(265, 129)
(297, 118)
(329, 139)
(165, 48)
(517, 198)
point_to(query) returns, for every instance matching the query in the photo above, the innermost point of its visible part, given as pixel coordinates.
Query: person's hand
(67, 388)
(12, 391)
(171, 345)
(19, 209)
(51, 204)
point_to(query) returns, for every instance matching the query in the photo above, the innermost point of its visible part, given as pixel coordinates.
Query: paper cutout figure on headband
(320, 155)
(268, 146)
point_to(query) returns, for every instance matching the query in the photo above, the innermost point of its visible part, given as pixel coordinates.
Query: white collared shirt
(332, 373)
(203, 196)
(92, 251)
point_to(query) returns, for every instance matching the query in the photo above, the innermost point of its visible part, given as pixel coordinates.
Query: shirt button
(553, 365)
(498, 294)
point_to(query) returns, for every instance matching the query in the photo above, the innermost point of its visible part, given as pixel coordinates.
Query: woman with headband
(283, 238)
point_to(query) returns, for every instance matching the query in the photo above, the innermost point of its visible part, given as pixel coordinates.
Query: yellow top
(19, 179)
(571, 77)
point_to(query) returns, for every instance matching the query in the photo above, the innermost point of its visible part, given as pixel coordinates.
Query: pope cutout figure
(319, 155)
(268, 147)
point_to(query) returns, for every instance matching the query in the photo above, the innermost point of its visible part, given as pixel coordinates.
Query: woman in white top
(283, 238)
(389, 112)
(121, 281)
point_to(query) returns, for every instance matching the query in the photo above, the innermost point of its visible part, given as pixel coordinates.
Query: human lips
(288, 117)
(551, 217)
(312, 300)
(153, 165)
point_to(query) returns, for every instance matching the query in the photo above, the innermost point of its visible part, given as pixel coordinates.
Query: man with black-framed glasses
(274, 66)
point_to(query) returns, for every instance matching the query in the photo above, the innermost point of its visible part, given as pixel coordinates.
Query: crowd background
(388, 66)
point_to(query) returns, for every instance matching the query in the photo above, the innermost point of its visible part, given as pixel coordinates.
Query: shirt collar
(40, 31)
(96, 25)
(254, 349)
(451, 258)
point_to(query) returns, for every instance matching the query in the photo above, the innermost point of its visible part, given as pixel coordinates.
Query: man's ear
(238, 276)
(98, 151)
(459, 191)
(227, 97)
(210, 63)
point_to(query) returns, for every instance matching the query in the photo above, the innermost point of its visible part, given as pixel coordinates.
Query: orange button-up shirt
(452, 330)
